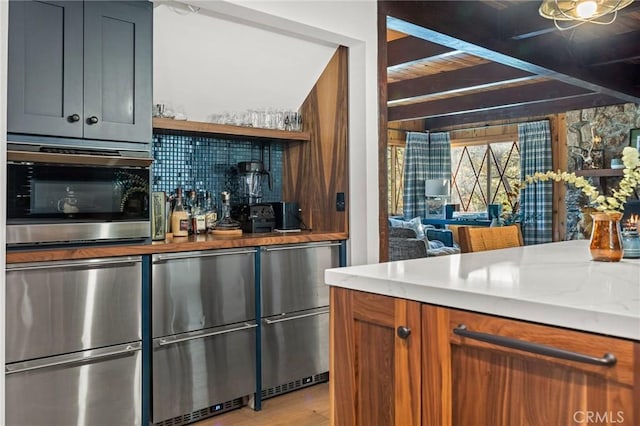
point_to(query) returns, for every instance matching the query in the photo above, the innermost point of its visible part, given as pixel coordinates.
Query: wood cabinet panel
(463, 381)
(498, 385)
(379, 386)
(315, 172)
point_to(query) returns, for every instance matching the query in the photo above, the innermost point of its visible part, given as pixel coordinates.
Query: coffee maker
(252, 213)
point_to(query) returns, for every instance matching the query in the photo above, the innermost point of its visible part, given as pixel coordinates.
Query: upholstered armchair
(404, 244)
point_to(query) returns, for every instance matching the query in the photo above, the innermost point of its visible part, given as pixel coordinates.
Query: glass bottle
(189, 206)
(198, 215)
(179, 217)
(210, 211)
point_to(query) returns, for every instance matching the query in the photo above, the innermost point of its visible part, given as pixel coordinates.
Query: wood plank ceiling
(458, 62)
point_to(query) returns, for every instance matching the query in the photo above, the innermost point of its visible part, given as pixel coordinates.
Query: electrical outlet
(340, 203)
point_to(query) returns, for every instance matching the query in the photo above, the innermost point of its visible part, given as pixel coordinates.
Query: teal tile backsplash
(209, 164)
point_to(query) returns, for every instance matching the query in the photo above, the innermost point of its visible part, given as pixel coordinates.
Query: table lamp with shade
(436, 192)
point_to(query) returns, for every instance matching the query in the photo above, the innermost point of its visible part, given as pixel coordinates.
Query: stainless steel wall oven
(64, 195)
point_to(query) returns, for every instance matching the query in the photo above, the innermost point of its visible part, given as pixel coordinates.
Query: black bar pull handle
(607, 360)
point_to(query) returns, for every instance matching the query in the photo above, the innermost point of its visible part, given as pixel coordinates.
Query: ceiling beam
(520, 111)
(477, 76)
(410, 49)
(544, 91)
(445, 23)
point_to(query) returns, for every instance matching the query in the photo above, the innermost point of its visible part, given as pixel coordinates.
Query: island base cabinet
(400, 362)
(476, 370)
(375, 372)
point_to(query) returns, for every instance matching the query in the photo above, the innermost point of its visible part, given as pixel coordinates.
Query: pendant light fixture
(581, 11)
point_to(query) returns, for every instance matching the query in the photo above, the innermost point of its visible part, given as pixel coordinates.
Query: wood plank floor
(304, 407)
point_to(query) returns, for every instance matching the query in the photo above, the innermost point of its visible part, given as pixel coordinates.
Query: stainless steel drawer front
(293, 276)
(69, 306)
(198, 290)
(196, 370)
(294, 346)
(96, 388)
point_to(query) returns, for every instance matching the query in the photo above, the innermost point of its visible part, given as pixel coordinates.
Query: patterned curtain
(426, 156)
(416, 158)
(439, 161)
(536, 199)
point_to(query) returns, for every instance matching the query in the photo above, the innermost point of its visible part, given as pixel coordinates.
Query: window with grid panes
(483, 173)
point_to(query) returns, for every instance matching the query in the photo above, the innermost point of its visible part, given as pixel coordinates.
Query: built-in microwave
(70, 195)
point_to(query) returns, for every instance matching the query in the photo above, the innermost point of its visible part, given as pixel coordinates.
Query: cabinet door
(375, 372)
(470, 381)
(117, 71)
(45, 68)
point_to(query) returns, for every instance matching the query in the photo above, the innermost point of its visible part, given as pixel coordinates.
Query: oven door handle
(74, 264)
(71, 359)
(294, 317)
(165, 341)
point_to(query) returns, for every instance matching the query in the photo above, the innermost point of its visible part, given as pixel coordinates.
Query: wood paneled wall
(315, 171)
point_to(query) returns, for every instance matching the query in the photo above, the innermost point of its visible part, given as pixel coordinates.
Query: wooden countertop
(177, 244)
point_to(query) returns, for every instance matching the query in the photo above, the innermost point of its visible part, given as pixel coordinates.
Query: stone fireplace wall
(613, 125)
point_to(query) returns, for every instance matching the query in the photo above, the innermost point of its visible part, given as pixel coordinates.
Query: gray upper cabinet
(81, 69)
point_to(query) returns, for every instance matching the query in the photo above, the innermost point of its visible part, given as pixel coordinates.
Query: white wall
(204, 64)
(3, 186)
(352, 24)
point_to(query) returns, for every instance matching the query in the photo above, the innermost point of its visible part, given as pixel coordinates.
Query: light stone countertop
(556, 284)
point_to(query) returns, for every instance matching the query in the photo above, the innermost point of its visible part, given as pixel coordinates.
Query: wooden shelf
(599, 172)
(227, 130)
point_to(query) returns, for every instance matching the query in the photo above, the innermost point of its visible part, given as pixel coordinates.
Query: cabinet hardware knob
(404, 332)
(92, 120)
(73, 118)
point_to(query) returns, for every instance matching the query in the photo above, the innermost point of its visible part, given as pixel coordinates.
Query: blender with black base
(252, 213)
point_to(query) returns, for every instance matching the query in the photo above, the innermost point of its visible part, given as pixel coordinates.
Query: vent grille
(296, 384)
(202, 414)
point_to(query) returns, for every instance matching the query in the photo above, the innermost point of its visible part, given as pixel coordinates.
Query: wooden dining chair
(473, 239)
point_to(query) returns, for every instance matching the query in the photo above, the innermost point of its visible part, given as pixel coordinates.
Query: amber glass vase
(606, 240)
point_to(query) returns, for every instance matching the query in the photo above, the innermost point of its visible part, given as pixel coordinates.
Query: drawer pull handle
(607, 360)
(174, 340)
(295, 317)
(189, 256)
(92, 120)
(73, 359)
(300, 246)
(73, 118)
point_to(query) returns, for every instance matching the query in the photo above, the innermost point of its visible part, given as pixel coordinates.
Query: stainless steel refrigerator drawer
(92, 388)
(194, 371)
(69, 306)
(197, 290)
(294, 346)
(293, 276)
